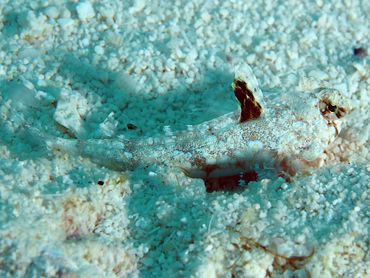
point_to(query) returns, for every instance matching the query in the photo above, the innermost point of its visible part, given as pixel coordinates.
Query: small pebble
(52, 12)
(359, 52)
(131, 126)
(85, 11)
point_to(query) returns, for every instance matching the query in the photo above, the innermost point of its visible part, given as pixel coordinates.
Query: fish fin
(248, 94)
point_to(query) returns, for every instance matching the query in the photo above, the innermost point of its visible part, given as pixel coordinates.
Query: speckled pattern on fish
(293, 130)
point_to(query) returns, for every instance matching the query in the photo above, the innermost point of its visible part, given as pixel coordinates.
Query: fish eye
(332, 108)
(331, 112)
(339, 112)
(332, 104)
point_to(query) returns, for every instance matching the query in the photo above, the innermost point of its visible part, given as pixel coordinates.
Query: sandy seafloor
(88, 69)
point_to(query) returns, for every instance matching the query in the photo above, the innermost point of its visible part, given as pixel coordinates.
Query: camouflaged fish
(285, 131)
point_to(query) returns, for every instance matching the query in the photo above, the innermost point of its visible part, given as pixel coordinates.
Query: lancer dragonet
(285, 131)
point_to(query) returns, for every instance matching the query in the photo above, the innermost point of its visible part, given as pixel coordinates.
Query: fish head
(327, 112)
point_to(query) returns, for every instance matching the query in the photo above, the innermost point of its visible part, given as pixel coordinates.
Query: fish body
(282, 131)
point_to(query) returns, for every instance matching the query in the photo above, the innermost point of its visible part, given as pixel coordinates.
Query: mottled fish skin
(294, 129)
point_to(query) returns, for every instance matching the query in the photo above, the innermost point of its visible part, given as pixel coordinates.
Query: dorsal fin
(248, 94)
